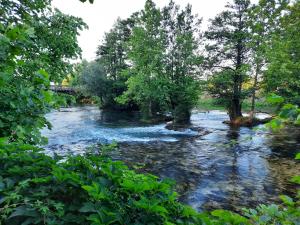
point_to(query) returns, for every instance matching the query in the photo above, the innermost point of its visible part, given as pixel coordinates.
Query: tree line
(37, 44)
(159, 61)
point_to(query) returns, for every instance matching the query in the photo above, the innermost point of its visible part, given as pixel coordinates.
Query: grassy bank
(211, 104)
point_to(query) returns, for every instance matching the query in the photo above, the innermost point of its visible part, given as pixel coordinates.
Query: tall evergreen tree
(227, 37)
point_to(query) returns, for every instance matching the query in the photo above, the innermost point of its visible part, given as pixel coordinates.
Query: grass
(212, 104)
(209, 104)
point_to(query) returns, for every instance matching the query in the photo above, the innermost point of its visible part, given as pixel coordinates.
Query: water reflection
(227, 167)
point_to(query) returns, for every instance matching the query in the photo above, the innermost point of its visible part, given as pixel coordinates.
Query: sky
(101, 16)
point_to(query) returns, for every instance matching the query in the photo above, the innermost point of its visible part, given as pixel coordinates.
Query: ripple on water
(227, 167)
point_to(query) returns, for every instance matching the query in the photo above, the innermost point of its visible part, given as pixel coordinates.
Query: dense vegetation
(150, 61)
(159, 61)
(31, 56)
(92, 189)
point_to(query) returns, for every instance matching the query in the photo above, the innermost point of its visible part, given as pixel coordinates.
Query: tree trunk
(252, 112)
(235, 109)
(181, 115)
(150, 110)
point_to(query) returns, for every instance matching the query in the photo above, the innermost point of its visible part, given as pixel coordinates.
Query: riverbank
(261, 106)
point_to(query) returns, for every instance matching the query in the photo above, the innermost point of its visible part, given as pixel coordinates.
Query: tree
(263, 24)
(282, 75)
(227, 54)
(29, 47)
(181, 59)
(147, 84)
(164, 61)
(112, 51)
(93, 79)
(113, 57)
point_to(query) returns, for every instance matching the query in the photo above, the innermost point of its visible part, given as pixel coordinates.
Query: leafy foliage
(148, 62)
(227, 55)
(113, 57)
(263, 23)
(254, 44)
(282, 75)
(147, 85)
(92, 189)
(32, 56)
(162, 49)
(182, 59)
(288, 114)
(93, 80)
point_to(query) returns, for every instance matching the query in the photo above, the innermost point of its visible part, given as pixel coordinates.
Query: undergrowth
(93, 189)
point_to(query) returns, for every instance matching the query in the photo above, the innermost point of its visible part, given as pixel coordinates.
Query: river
(214, 166)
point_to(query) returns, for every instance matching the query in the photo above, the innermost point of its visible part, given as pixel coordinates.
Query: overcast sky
(101, 16)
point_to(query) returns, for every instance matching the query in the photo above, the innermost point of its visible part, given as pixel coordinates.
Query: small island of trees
(160, 62)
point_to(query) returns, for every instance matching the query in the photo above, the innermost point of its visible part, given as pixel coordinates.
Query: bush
(93, 189)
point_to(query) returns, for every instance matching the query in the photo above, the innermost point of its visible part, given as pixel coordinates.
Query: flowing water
(214, 166)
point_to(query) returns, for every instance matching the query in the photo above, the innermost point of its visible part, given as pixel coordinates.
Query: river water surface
(214, 166)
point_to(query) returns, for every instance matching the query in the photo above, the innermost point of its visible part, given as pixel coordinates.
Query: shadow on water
(228, 167)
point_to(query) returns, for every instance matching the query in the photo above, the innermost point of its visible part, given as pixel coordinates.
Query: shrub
(93, 189)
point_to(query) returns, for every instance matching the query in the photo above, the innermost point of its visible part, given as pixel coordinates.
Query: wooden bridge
(63, 89)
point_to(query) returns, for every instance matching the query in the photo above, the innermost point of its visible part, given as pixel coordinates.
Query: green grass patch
(212, 104)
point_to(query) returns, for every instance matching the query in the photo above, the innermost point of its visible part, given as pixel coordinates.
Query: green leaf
(297, 156)
(287, 200)
(151, 205)
(297, 121)
(88, 207)
(296, 179)
(2, 184)
(97, 191)
(188, 211)
(275, 99)
(4, 140)
(23, 211)
(275, 124)
(30, 32)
